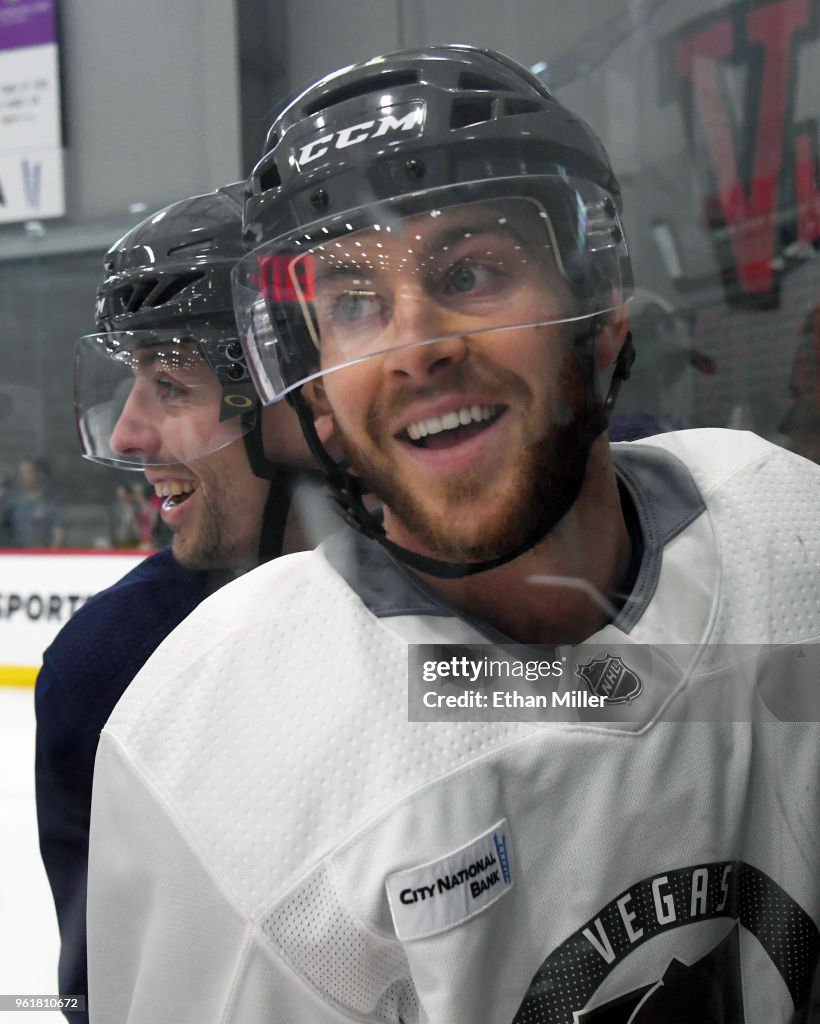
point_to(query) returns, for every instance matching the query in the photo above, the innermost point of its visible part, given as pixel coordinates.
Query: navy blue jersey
(85, 672)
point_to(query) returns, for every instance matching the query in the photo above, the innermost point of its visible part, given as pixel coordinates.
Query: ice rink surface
(29, 940)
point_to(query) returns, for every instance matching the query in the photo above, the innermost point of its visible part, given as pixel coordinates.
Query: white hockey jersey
(274, 841)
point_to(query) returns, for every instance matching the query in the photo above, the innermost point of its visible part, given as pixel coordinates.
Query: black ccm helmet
(164, 306)
(371, 150)
(167, 326)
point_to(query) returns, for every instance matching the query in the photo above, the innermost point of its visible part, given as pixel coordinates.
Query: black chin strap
(347, 492)
(623, 368)
(280, 494)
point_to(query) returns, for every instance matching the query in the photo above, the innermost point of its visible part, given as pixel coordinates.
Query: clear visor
(322, 301)
(146, 398)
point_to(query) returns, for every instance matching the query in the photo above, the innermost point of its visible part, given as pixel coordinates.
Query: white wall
(151, 102)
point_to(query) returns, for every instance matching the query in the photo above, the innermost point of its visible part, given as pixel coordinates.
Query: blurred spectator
(162, 534)
(5, 492)
(30, 512)
(801, 425)
(124, 526)
(135, 521)
(146, 515)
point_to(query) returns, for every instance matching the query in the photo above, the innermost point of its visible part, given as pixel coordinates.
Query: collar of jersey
(665, 501)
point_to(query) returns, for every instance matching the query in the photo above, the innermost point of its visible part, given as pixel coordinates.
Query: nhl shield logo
(609, 677)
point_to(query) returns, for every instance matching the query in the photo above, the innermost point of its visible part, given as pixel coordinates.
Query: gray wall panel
(151, 102)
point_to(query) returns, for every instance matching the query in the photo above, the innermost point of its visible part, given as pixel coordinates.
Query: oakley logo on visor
(407, 117)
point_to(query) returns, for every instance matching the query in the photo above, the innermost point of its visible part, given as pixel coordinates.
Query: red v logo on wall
(760, 169)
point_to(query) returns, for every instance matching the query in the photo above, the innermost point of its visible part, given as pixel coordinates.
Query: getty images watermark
(624, 685)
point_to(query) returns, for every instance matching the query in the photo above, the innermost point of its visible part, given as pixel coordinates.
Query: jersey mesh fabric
(368, 974)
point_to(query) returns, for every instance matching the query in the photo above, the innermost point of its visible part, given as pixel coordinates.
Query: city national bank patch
(443, 893)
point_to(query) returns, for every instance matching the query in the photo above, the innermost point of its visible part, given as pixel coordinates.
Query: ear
(316, 396)
(610, 336)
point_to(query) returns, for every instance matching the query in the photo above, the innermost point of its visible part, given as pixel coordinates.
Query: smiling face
(213, 504)
(472, 415)
(214, 508)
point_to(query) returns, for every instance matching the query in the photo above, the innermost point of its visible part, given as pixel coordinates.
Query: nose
(428, 338)
(136, 435)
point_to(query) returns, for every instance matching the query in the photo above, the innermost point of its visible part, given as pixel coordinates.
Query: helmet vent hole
(470, 111)
(378, 83)
(482, 83)
(120, 299)
(270, 178)
(173, 288)
(520, 106)
(134, 298)
(233, 371)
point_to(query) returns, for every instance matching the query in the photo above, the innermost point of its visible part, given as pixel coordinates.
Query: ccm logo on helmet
(386, 125)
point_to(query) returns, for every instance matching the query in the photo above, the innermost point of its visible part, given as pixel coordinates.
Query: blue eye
(353, 305)
(168, 391)
(472, 279)
(462, 279)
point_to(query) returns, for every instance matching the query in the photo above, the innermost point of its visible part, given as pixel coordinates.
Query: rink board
(39, 592)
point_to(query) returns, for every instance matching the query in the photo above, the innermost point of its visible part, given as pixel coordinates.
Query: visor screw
(320, 199)
(414, 169)
(609, 207)
(617, 234)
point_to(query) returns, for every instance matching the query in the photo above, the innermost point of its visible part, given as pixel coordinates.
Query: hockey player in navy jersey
(164, 303)
(328, 818)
